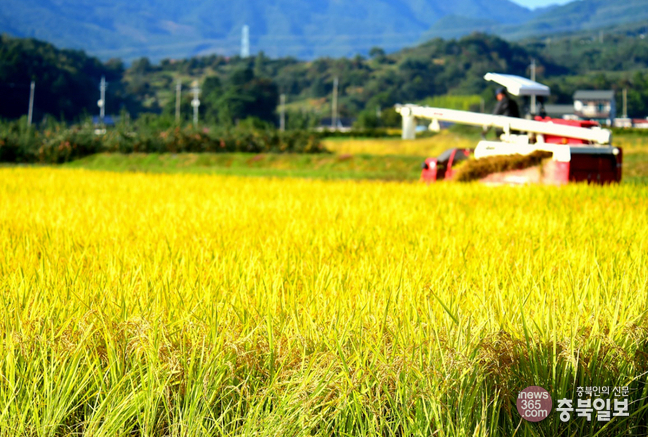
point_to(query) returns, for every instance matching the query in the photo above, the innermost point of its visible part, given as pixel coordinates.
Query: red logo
(534, 403)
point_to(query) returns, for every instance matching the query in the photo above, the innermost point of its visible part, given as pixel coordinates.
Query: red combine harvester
(436, 169)
(581, 150)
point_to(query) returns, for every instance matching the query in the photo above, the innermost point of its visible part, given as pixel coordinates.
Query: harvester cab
(581, 151)
(521, 87)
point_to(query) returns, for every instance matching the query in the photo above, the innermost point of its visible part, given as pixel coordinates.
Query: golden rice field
(424, 147)
(190, 305)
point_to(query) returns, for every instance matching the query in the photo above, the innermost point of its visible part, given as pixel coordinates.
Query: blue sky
(537, 3)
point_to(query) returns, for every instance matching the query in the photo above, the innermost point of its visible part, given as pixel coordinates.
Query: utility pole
(102, 101)
(30, 113)
(625, 102)
(533, 78)
(282, 118)
(245, 42)
(195, 102)
(178, 96)
(334, 123)
(482, 105)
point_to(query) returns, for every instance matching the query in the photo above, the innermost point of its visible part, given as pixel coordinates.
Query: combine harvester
(574, 151)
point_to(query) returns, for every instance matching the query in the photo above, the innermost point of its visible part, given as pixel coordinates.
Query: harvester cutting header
(574, 150)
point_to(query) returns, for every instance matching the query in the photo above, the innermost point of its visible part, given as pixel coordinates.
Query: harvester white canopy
(518, 86)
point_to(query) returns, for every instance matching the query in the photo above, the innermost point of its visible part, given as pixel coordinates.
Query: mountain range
(304, 29)
(576, 16)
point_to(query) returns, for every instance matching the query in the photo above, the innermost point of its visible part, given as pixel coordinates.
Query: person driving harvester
(505, 106)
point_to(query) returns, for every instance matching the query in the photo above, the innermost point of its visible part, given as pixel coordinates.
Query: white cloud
(540, 3)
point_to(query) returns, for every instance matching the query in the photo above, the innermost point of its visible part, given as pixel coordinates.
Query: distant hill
(579, 15)
(305, 29)
(573, 17)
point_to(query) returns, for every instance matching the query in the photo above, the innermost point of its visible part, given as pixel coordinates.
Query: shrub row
(58, 145)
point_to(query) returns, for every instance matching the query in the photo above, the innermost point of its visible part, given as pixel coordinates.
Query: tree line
(234, 89)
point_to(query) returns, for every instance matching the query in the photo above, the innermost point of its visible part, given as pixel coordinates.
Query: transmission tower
(245, 42)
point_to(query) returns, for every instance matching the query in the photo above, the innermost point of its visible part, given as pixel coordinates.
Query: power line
(533, 78)
(282, 117)
(178, 95)
(30, 112)
(102, 101)
(335, 103)
(195, 102)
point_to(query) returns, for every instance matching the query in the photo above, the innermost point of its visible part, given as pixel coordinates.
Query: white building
(595, 105)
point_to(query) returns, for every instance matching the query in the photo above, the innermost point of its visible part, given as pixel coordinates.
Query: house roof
(559, 109)
(593, 95)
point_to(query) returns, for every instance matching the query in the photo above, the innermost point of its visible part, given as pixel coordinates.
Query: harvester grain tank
(581, 151)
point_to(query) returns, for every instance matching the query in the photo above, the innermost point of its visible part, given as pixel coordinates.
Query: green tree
(67, 81)
(376, 52)
(260, 65)
(212, 91)
(243, 95)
